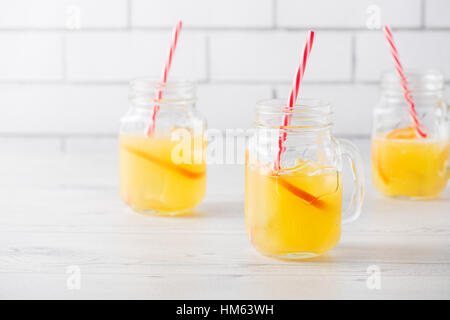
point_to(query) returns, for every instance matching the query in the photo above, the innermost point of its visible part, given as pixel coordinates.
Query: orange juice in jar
(150, 178)
(163, 172)
(295, 212)
(404, 163)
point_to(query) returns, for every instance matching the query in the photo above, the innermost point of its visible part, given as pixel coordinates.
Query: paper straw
(293, 96)
(403, 81)
(165, 73)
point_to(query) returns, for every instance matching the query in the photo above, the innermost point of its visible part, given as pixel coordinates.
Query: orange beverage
(295, 213)
(406, 165)
(152, 178)
(293, 208)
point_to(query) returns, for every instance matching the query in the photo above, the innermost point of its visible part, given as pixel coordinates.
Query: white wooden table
(58, 211)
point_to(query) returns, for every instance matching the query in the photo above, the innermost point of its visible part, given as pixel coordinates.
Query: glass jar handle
(351, 152)
(448, 139)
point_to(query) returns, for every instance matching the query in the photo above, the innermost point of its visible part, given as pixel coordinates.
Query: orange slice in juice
(168, 165)
(309, 198)
(402, 133)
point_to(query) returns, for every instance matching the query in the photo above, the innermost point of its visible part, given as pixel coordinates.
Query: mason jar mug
(405, 163)
(162, 168)
(294, 209)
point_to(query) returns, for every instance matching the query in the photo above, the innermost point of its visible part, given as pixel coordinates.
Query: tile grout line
(208, 58)
(64, 138)
(64, 57)
(274, 14)
(200, 82)
(57, 135)
(353, 57)
(62, 145)
(129, 14)
(274, 93)
(206, 29)
(423, 13)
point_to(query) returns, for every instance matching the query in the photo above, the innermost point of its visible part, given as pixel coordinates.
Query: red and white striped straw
(293, 96)
(165, 73)
(403, 81)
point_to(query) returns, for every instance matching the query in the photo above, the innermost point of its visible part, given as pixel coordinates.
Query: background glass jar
(296, 212)
(403, 163)
(163, 172)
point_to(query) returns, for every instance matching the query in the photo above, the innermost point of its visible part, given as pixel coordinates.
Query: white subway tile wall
(13, 146)
(352, 104)
(418, 49)
(231, 106)
(31, 56)
(273, 56)
(61, 13)
(346, 13)
(436, 13)
(111, 57)
(203, 13)
(65, 64)
(61, 109)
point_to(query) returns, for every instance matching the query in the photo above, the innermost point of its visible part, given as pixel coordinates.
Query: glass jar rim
(418, 80)
(307, 115)
(144, 91)
(279, 106)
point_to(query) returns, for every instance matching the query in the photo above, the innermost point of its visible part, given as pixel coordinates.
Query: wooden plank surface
(62, 210)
